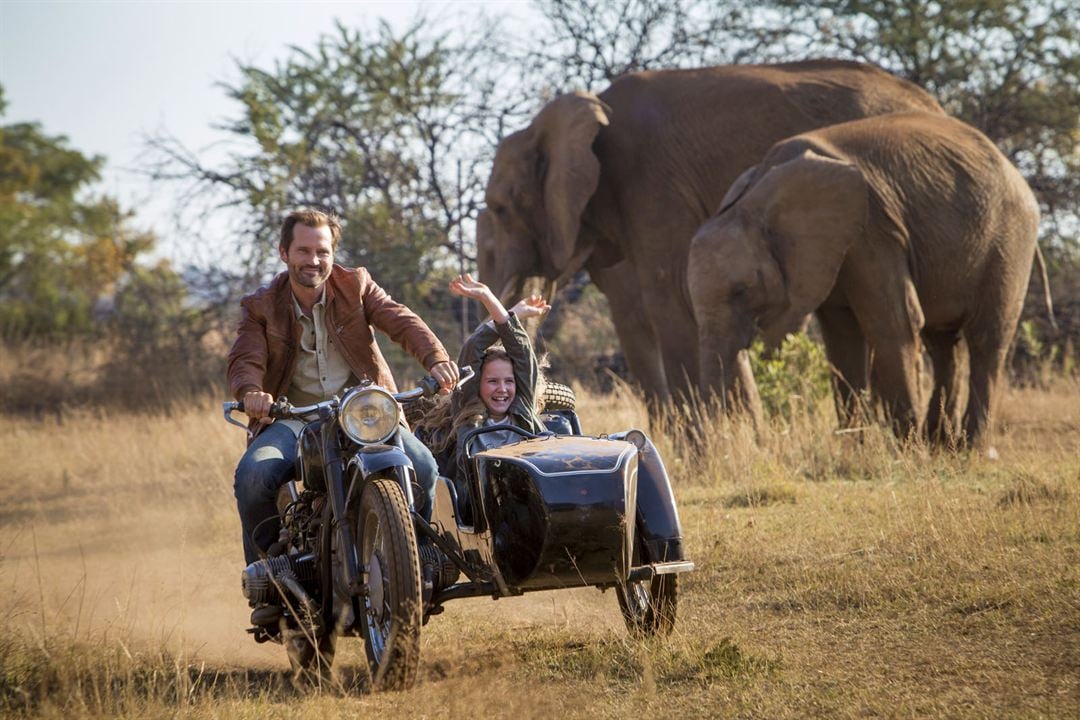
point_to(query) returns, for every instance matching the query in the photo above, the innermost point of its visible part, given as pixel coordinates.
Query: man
(308, 335)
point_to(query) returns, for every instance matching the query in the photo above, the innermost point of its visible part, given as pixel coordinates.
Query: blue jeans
(270, 462)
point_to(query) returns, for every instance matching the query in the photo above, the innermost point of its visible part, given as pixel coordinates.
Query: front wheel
(390, 610)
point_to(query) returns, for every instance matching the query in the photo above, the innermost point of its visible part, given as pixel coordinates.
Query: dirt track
(150, 579)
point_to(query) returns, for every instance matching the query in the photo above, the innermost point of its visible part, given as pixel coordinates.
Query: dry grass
(838, 575)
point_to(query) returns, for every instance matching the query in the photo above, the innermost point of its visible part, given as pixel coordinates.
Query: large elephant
(895, 230)
(618, 183)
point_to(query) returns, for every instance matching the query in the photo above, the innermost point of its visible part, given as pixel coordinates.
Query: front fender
(372, 459)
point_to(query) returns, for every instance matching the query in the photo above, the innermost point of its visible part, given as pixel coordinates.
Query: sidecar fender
(657, 517)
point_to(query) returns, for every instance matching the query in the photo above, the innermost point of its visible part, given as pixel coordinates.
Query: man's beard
(307, 279)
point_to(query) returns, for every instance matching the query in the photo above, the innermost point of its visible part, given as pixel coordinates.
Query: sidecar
(561, 511)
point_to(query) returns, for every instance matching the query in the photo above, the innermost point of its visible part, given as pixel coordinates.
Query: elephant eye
(499, 210)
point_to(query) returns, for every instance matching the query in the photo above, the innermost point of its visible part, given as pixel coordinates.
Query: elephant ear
(741, 184)
(568, 125)
(813, 208)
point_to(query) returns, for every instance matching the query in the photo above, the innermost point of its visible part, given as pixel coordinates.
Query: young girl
(504, 390)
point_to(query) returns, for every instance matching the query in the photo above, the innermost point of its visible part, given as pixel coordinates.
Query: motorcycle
(554, 511)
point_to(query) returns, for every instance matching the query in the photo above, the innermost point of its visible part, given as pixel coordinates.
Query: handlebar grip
(430, 386)
(280, 408)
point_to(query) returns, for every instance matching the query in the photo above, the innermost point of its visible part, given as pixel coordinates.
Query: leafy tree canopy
(388, 131)
(61, 252)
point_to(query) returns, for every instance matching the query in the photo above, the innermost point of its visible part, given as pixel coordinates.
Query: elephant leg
(676, 337)
(897, 369)
(636, 336)
(988, 345)
(845, 348)
(887, 307)
(983, 384)
(943, 414)
(746, 392)
(679, 349)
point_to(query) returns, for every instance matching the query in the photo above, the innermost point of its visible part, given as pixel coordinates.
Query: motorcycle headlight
(369, 415)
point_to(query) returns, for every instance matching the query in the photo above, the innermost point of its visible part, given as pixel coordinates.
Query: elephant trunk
(511, 290)
(723, 335)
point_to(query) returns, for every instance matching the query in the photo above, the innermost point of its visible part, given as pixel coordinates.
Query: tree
(389, 131)
(588, 43)
(62, 250)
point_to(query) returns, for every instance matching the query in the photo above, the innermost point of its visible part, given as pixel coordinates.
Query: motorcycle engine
(257, 579)
(444, 572)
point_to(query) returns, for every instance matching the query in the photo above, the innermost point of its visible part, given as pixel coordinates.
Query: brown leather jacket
(263, 357)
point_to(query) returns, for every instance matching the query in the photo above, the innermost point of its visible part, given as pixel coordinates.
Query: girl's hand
(532, 306)
(466, 286)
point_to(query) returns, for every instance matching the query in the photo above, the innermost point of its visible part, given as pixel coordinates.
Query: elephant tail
(1048, 301)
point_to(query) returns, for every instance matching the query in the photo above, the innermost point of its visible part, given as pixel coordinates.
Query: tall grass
(838, 574)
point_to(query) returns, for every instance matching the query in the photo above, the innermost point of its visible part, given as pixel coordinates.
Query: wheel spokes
(377, 601)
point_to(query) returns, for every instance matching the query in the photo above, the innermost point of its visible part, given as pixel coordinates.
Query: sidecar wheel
(648, 607)
(390, 611)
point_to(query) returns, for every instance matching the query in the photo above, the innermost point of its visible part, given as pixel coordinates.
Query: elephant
(617, 183)
(895, 230)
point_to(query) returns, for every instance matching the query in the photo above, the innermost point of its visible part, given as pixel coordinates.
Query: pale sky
(108, 72)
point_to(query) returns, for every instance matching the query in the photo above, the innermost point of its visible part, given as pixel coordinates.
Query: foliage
(1038, 356)
(796, 378)
(61, 249)
(159, 355)
(589, 43)
(579, 336)
(387, 130)
(70, 272)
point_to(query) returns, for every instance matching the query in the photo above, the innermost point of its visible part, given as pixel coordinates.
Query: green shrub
(797, 375)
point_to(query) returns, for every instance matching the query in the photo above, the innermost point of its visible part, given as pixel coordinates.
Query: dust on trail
(168, 580)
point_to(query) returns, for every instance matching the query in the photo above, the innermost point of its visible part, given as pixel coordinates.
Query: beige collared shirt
(321, 370)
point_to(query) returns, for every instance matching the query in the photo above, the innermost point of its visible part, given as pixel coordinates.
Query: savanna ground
(837, 575)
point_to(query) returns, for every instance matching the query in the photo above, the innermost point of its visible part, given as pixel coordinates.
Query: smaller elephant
(895, 230)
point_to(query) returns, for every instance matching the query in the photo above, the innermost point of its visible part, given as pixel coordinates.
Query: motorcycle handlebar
(281, 408)
(278, 409)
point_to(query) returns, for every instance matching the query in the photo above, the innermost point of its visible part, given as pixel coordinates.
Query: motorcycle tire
(649, 606)
(558, 397)
(390, 611)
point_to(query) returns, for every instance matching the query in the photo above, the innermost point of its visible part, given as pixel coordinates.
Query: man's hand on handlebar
(257, 406)
(447, 374)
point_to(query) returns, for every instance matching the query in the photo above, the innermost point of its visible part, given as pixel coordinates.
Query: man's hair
(311, 218)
